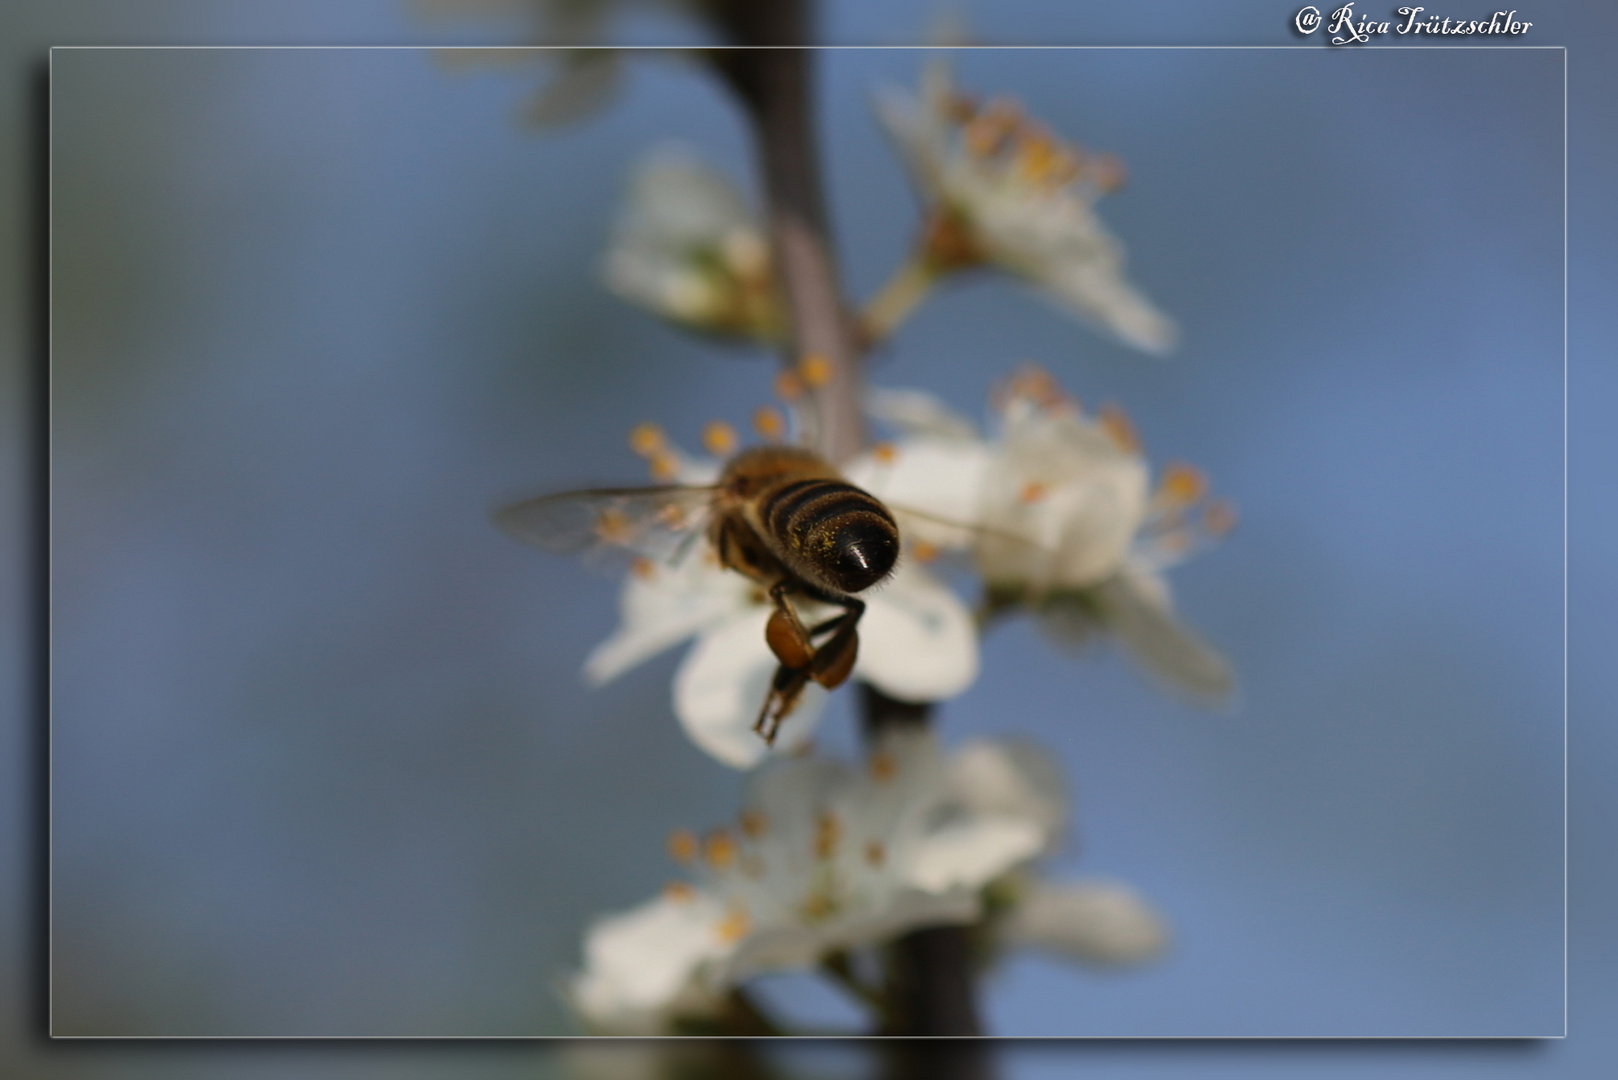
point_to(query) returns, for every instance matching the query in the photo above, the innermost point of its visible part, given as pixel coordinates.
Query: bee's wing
(655, 522)
(950, 535)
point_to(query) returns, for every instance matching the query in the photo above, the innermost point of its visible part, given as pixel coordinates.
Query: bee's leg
(785, 689)
(834, 660)
(784, 633)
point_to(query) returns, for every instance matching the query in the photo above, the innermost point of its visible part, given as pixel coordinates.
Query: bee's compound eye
(864, 552)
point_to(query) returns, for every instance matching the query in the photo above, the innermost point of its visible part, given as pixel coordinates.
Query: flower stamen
(1116, 423)
(769, 423)
(647, 440)
(719, 850)
(682, 845)
(816, 370)
(719, 439)
(827, 832)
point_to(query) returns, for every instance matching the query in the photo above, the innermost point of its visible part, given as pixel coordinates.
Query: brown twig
(774, 83)
(929, 989)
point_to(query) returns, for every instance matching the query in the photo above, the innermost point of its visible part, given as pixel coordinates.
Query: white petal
(970, 853)
(663, 609)
(1011, 778)
(1133, 605)
(917, 640)
(1096, 922)
(802, 945)
(1102, 293)
(636, 964)
(918, 139)
(721, 685)
(916, 412)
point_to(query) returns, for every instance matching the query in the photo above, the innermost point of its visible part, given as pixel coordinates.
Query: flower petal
(1012, 778)
(918, 413)
(662, 608)
(721, 685)
(917, 640)
(969, 853)
(1134, 606)
(637, 963)
(1097, 922)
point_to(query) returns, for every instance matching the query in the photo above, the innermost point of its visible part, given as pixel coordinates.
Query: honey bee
(781, 515)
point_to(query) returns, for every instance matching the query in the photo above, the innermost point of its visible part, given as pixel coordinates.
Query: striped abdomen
(830, 533)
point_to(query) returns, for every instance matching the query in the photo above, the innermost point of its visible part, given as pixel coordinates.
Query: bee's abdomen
(832, 532)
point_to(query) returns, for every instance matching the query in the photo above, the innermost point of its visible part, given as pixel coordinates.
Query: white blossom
(1001, 189)
(1060, 515)
(1103, 923)
(825, 856)
(687, 247)
(917, 640)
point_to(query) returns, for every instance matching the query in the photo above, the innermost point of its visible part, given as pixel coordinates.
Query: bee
(781, 515)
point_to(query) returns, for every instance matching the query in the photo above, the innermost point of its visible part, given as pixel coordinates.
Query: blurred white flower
(565, 35)
(1094, 922)
(824, 857)
(1001, 189)
(687, 247)
(1059, 514)
(639, 966)
(917, 640)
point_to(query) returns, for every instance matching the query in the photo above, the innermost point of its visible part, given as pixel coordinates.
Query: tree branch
(775, 86)
(929, 987)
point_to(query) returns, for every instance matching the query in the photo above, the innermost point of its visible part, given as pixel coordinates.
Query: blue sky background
(321, 761)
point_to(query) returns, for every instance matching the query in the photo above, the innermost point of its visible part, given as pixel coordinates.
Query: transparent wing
(654, 522)
(945, 534)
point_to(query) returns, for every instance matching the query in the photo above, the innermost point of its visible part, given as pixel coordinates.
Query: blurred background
(321, 761)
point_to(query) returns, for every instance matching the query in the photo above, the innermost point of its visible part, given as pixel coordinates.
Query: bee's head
(862, 552)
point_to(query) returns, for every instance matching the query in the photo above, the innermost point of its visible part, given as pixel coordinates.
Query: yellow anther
(816, 370)
(647, 440)
(753, 823)
(719, 849)
(1115, 422)
(987, 132)
(672, 516)
(664, 467)
(1032, 492)
(1039, 156)
(614, 527)
(769, 423)
(719, 438)
(1033, 383)
(883, 765)
(788, 386)
(885, 452)
(1219, 517)
(875, 853)
(827, 833)
(817, 906)
(924, 552)
(1182, 483)
(960, 107)
(745, 252)
(1107, 172)
(734, 926)
(679, 891)
(643, 568)
(682, 845)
